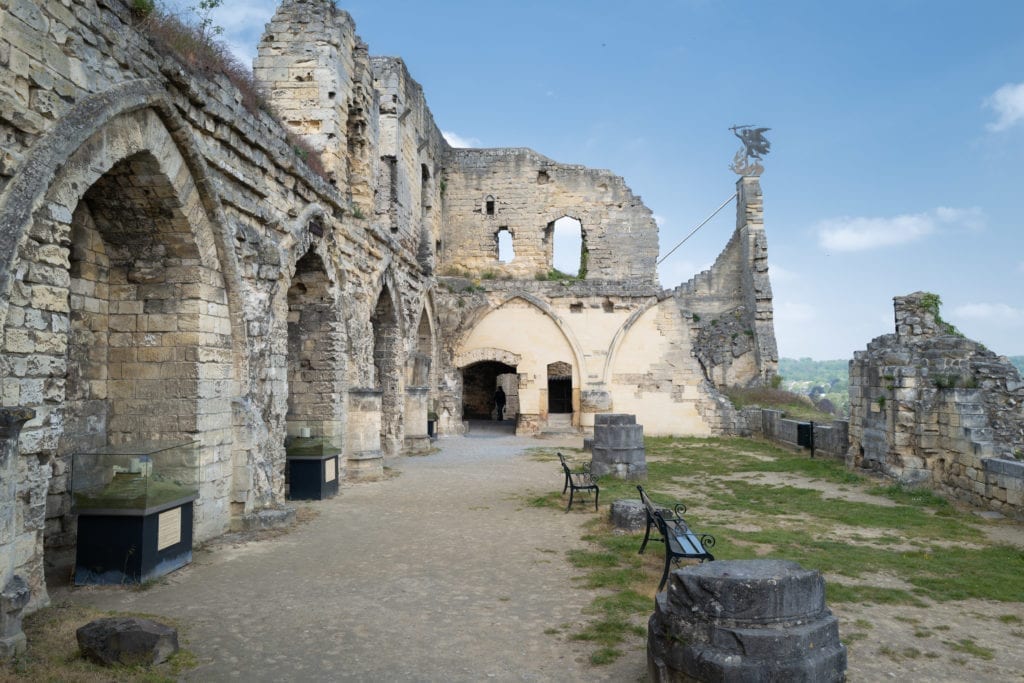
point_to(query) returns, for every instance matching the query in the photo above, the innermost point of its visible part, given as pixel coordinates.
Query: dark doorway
(559, 388)
(560, 395)
(479, 382)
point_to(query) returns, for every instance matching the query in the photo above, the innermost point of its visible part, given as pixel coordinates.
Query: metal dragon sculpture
(747, 160)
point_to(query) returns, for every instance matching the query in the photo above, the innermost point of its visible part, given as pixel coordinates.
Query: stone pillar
(618, 447)
(15, 593)
(744, 620)
(416, 438)
(362, 447)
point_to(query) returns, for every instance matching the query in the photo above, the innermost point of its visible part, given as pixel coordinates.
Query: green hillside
(818, 379)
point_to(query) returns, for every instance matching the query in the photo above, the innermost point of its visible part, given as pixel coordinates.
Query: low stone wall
(829, 439)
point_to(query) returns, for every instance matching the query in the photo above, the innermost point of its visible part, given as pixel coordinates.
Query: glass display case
(134, 508)
(312, 465)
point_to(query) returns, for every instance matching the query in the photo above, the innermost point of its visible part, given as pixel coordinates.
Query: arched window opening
(506, 251)
(568, 247)
(489, 205)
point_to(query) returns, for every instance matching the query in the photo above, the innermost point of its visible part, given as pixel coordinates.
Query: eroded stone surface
(129, 641)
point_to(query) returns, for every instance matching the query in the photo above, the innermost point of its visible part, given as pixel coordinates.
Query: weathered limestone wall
(829, 439)
(151, 233)
(930, 406)
(729, 307)
(633, 348)
(528, 193)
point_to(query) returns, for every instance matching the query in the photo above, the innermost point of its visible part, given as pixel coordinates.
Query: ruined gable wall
(929, 406)
(530, 191)
(71, 100)
(729, 306)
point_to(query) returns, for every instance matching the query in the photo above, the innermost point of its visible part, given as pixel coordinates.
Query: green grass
(968, 646)
(937, 551)
(794, 406)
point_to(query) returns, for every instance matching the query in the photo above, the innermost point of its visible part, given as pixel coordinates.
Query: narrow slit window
(489, 206)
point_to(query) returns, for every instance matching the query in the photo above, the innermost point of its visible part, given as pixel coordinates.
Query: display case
(312, 463)
(134, 508)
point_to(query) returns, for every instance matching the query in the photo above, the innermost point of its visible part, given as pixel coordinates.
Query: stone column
(416, 438)
(744, 620)
(618, 447)
(15, 593)
(362, 447)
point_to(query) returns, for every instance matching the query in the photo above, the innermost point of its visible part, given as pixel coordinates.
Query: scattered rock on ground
(127, 640)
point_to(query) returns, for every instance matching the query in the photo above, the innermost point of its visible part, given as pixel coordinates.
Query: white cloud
(660, 220)
(990, 312)
(456, 140)
(1008, 104)
(852, 233)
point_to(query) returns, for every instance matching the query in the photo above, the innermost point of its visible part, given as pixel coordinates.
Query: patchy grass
(795, 406)
(53, 653)
(969, 647)
(912, 534)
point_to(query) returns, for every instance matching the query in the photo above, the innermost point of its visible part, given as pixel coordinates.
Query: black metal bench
(581, 480)
(680, 541)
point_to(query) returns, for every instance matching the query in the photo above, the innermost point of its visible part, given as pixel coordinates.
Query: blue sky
(897, 159)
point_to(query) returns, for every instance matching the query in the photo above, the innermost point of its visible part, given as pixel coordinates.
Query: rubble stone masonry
(929, 406)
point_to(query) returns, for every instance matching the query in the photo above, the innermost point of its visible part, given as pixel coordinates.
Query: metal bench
(581, 480)
(680, 541)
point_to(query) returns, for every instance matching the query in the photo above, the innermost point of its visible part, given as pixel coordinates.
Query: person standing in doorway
(499, 403)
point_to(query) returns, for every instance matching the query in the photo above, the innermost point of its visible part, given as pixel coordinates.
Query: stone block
(128, 641)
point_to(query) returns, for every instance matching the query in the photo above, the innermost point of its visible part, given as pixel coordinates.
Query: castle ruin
(930, 407)
(171, 269)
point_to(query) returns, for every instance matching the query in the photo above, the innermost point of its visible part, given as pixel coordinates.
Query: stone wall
(632, 347)
(928, 406)
(159, 238)
(829, 439)
(729, 307)
(518, 190)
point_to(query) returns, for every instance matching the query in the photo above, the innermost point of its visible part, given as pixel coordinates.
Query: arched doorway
(480, 381)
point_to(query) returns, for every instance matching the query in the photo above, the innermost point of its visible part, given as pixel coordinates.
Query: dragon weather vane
(747, 160)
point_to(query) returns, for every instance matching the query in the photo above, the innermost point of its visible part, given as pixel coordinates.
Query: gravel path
(441, 573)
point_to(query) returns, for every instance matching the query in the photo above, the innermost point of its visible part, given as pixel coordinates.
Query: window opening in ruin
(506, 250)
(567, 243)
(576, 307)
(559, 387)
(480, 382)
(489, 205)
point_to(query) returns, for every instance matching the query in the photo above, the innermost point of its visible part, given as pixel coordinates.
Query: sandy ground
(443, 573)
(440, 573)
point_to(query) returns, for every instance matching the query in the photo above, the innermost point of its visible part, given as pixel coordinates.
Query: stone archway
(149, 334)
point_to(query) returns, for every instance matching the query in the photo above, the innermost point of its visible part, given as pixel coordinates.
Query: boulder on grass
(127, 640)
